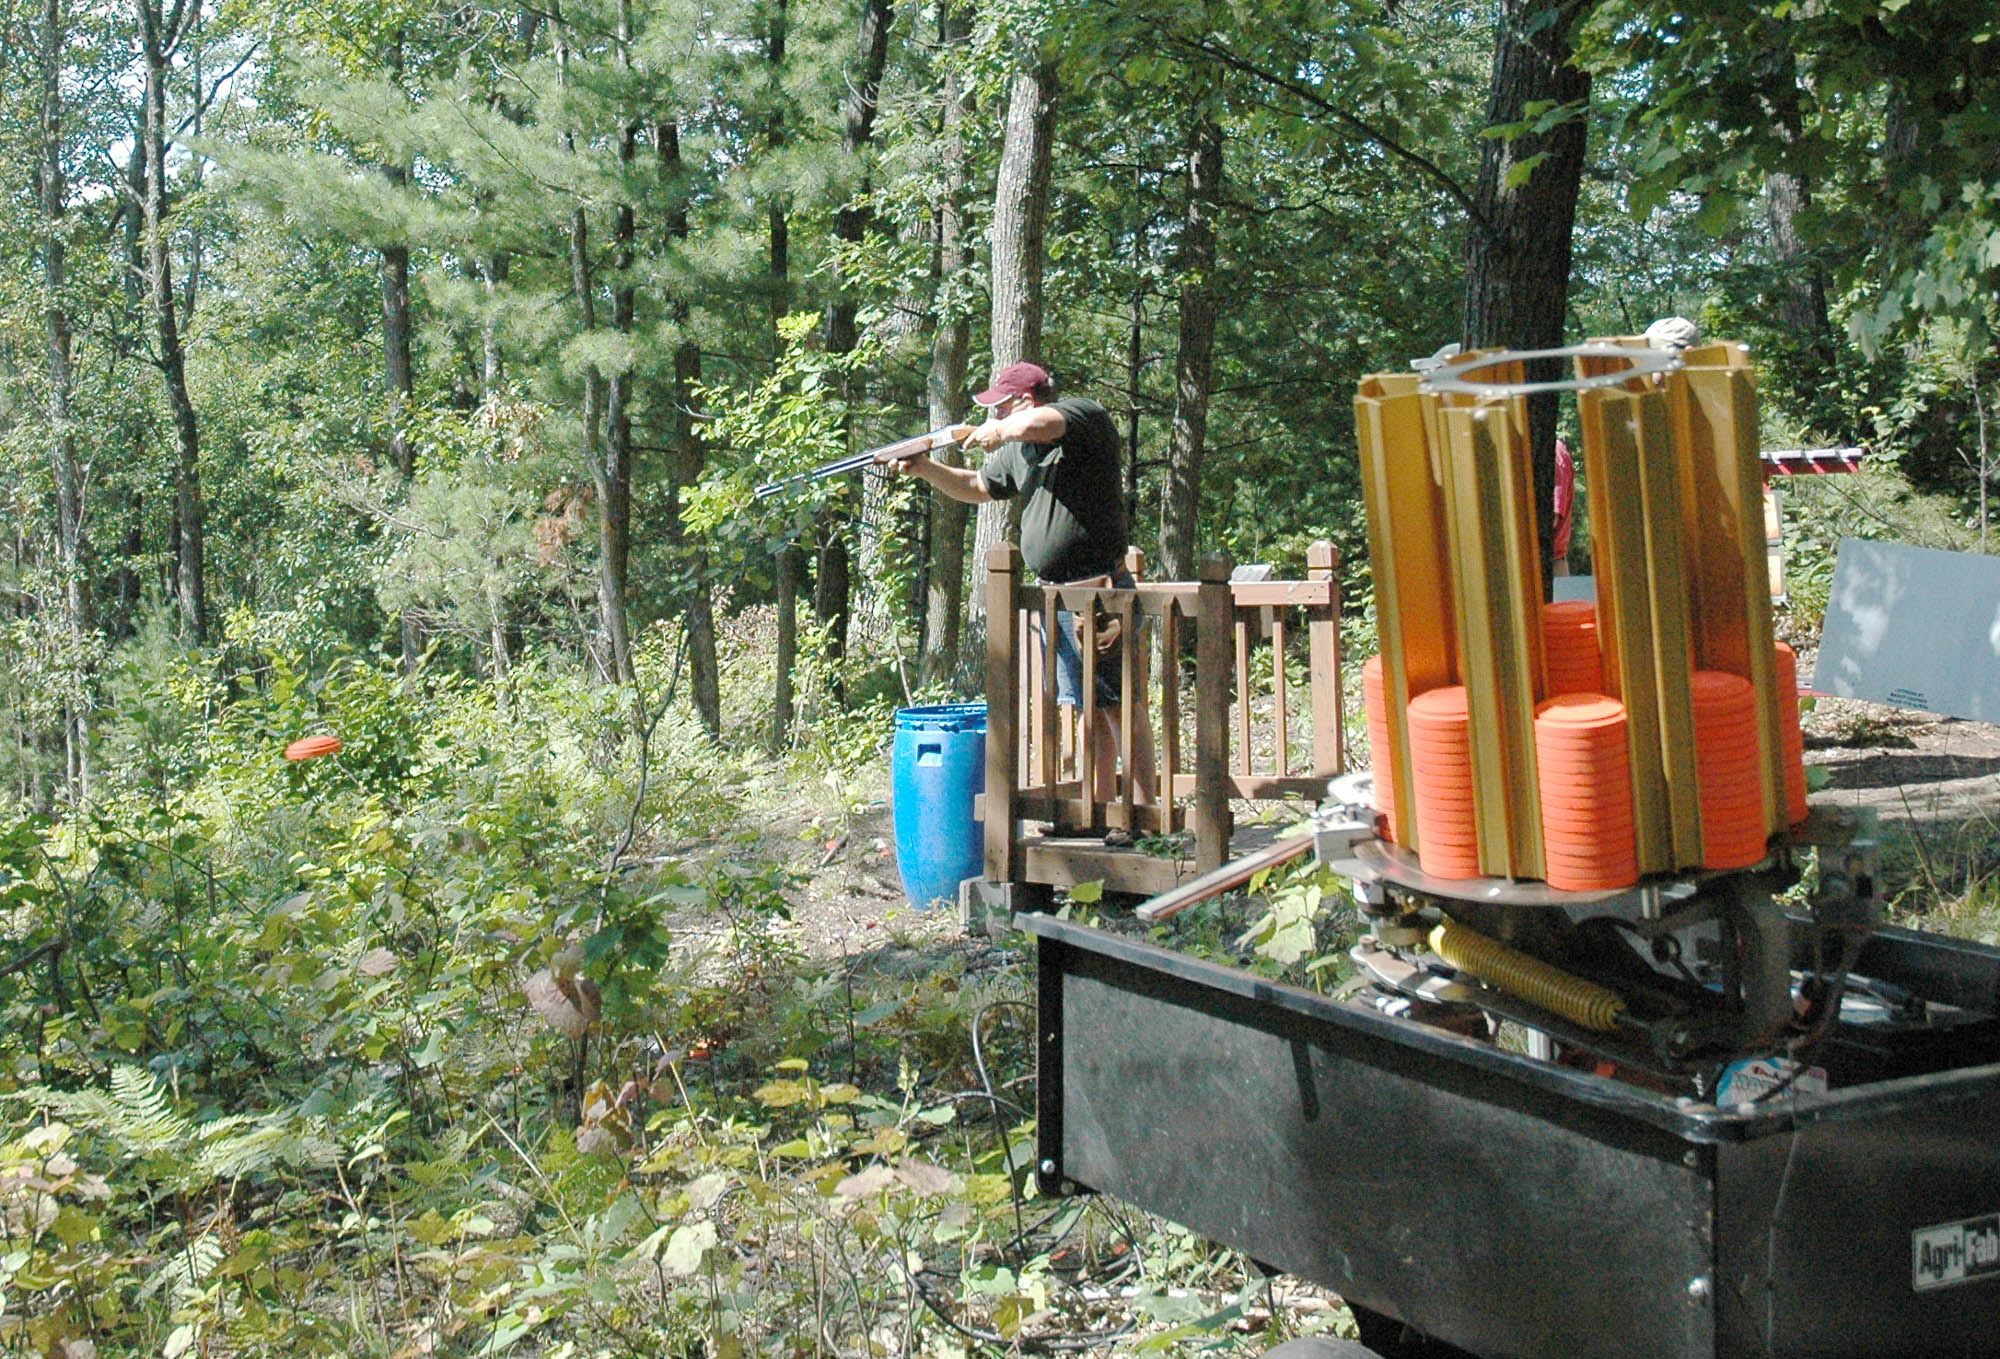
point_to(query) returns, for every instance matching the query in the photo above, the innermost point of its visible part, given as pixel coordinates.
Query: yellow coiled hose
(1531, 979)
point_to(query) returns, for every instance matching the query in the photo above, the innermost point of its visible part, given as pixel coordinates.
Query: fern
(143, 1119)
(136, 1114)
(182, 1273)
(231, 1154)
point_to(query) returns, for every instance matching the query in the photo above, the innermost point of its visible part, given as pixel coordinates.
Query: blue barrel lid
(943, 717)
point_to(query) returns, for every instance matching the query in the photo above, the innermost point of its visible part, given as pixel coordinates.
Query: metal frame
(1511, 1206)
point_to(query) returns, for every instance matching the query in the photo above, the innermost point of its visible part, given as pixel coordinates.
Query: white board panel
(1915, 628)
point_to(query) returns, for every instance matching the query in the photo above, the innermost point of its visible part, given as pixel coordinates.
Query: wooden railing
(1246, 743)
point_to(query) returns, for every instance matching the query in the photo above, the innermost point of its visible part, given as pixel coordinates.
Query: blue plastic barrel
(940, 766)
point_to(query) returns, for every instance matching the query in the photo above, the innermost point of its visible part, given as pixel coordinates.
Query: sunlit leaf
(687, 1246)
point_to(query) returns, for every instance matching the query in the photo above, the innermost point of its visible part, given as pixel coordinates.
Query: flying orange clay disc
(312, 747)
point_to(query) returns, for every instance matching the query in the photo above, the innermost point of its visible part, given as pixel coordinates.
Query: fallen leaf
(377, 963)
(862, 1183)
(595, 1139)
(926, 1178)
(553, 1002)
(589, 1001)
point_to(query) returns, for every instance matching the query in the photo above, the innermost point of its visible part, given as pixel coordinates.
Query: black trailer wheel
(1321, 1347)
(1391, 1339)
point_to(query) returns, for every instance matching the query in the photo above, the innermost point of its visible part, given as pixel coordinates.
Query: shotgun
(899, 451)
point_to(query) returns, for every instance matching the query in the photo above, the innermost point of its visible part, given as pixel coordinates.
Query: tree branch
(1430, 169)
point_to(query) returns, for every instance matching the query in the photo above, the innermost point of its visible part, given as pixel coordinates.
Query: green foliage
(1306, 924)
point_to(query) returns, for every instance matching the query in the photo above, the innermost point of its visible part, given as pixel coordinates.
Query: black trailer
(1509, 1205)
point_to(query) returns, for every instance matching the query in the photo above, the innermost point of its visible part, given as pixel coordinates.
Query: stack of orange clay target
(1569, 647)
(1584, 773)
(1650, 731)
(1726, 765)
(1441, 783)
(1376, 702)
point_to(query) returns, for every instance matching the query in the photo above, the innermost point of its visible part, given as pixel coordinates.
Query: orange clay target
(312, 747)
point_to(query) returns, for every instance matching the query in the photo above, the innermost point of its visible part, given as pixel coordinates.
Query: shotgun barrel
(899, 451)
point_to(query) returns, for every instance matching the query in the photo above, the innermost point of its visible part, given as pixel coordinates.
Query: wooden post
(1170, 716)
(1240, 627)
(1214, 651)
(1329, 756)
(1134, 720)
(1005, 859)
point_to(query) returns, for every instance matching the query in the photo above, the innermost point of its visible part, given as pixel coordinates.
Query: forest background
(403, 370)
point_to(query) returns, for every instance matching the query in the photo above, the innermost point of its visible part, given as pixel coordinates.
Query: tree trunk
(398, 366)
(70, 475)
(1801, 300)
(704, 671)
(614, 505)
(1020, 214)
(160, 35)
(1180, 507)
(1518, 243)
(1135, 371)
(398, 370)
(944, 602)
(833, 595)
(788, 644)
(779, 228)
(615, 474)
(787, 563)
(492, 360)
(1802, 296)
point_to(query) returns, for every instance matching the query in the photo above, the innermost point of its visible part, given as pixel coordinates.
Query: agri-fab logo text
(1955, 1252)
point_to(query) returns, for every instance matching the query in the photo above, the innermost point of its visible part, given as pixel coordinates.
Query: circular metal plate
(1399, 866)
(1640, 363)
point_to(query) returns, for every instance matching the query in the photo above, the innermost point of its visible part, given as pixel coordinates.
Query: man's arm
(1035, 425)
(960, 483)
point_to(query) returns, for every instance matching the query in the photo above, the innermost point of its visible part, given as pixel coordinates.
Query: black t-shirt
(1073, 524)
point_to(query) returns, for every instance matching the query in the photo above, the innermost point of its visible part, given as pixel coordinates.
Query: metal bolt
(1698, 1288)
(1048, 1168)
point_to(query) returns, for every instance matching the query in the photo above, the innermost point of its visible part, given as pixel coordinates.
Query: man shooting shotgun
(915, 446)
(1062, 454)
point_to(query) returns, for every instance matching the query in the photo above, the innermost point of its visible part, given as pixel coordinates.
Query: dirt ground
(1933, 782)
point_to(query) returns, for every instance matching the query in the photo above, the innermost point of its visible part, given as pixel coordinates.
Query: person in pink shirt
(1565, 503)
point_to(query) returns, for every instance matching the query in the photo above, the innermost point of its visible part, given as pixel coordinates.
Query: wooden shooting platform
(1254, 735)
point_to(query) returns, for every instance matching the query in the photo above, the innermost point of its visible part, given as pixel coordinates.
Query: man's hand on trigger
(988, 436)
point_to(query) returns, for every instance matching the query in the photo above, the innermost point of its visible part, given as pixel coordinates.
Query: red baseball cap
(1016, 379)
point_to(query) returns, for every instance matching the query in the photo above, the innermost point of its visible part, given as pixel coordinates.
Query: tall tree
(398, 364)
(787, 565)
(1019, 251)
(1194, 364)
(161, 33)
(689, 454)
(832, 586)
(1518, 247)
(614, 472)
(70, 474)
(610, 479)
(944, 385)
